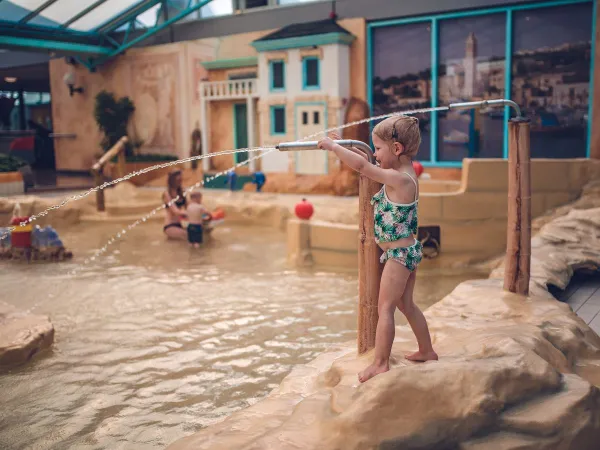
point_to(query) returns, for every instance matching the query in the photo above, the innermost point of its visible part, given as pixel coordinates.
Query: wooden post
(369, 267)
(204, 129)
(121, 164)
(518, 240)
(99, 193)
(117, 150)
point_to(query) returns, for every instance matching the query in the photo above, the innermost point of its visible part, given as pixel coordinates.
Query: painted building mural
(256, 88)
(549, 77)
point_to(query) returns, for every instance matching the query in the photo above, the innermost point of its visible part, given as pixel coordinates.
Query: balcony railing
(223, 90)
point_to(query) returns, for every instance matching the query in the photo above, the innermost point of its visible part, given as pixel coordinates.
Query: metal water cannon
(357, 147)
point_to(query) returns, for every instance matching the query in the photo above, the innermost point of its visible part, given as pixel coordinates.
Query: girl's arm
(359, 163)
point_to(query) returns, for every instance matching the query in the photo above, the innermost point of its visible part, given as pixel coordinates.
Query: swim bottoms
(194, 232)
(172, 225)
(409, 257)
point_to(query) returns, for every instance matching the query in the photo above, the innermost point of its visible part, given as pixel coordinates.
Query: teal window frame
(305, 86)
(272, 88)
(433, 21)
(272, 117)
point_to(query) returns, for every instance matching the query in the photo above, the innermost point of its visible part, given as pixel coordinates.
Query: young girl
(396, 142)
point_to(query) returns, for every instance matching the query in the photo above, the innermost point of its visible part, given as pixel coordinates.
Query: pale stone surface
(514, 372)
(22, 335)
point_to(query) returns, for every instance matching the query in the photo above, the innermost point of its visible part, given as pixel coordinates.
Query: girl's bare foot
(422, 357)
(196, 245)
(372, 370)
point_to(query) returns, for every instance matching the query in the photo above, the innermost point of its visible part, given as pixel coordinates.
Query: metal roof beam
(36, 12)
(14, 29)
(85, 12)
(52, 45)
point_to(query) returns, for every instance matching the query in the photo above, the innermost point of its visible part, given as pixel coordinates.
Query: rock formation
(514, 372)
(22, 335)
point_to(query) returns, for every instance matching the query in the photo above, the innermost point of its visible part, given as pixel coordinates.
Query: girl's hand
(336, 137)
(326, 144)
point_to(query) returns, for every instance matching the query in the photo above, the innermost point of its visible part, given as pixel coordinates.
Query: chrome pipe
(358, 147)
(484, 103)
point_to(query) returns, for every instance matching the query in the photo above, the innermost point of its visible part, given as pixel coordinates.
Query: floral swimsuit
(394, 221)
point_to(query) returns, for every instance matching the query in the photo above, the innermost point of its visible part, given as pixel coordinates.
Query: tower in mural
(470, 66)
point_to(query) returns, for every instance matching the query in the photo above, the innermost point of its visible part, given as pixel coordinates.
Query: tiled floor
(583, 295)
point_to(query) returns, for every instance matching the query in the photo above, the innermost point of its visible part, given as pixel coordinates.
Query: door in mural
(240, 127)
(310, 119)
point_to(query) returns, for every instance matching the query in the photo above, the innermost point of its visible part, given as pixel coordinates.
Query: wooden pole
(121, 164)
(117, 150)
(369, 267)
(100, 192)
(518, 240)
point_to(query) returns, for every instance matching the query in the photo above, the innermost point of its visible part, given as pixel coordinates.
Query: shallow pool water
(156, 340)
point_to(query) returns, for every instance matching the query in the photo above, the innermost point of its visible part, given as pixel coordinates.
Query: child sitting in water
(396, 142)
(196, 214)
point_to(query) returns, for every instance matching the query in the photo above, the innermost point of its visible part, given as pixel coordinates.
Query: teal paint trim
(235, 135)
(230, 63)
(435, 61)
(325, 123)
(272, 77)
(303, 41)
(221, 183)
(442, 164)
(11, 41)
(507, 78)
(370, 72)
(591, 89)
(272, 117)
(45, 31)
(305, 86)
(370, 80)
(475, 12)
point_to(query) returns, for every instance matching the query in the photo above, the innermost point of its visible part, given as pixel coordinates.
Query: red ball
(304, 210)
(18, 220)
(418, 168)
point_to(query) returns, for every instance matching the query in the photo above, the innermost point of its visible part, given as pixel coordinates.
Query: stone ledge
(504, 361)
(22, 335)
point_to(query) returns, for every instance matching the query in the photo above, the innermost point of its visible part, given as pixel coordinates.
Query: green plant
(9, 163)
(112, 116)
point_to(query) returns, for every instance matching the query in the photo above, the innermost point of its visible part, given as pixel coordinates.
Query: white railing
(215, 90)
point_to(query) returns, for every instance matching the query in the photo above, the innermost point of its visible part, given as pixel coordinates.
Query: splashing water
(211, 155)
(143, 219)
(131, 226)
(125, 178)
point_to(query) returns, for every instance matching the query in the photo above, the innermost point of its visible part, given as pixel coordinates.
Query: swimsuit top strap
(414, 181)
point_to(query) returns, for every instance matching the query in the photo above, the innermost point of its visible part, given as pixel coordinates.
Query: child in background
(196, 213)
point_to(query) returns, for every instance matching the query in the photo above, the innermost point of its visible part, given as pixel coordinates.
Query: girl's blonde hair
(403, 129)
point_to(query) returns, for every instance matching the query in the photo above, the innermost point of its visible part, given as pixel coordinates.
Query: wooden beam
(518, 241)
(369, 267)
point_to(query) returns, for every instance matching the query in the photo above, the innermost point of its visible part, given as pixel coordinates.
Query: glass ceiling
(80, 15)
(90, 15)
(87, 27)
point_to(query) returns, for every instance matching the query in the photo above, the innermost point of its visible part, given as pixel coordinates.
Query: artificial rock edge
(514, 372)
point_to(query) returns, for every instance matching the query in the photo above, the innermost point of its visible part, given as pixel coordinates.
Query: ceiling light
(10, 79)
